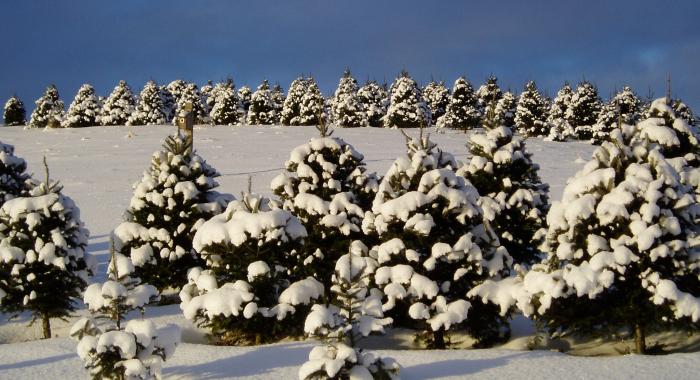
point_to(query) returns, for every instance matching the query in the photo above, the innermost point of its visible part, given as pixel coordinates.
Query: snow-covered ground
(98, 165)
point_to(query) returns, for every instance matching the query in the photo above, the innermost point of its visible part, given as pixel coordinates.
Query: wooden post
(185, 124)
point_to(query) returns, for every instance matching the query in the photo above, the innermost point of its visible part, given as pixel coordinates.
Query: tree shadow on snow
(257, 361)
(36, 362)
(454, 367)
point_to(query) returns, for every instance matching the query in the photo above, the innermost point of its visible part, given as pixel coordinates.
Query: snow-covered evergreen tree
(504, 112)
(245, 95)
(44, 265)
(246, 294)
(311, 110)
(134, 352)
(208, 96)
(225, 108)
(49, 110)
(278, 99)
(174, 197)
(171, 93)
(326, 186)
(621, 252)
(355, 311)
(435, 246)
(14, 112)
(623, 108)
(13, 174)
(190, 95)
(531, 112)
(513, 198)
(683, 111)
(150, 109)
(118, 106)
(346, 109)
(84, 109)
(262, 109)
(375, 100)
(463, 110)
(437, 97)
(489, 94)
(290, 114)
(407, 109)
(582, 112)
(559, 127)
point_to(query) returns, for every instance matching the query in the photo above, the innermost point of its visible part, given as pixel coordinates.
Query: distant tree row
(577, 113)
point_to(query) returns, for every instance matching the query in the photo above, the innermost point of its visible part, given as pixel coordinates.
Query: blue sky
(611, 43)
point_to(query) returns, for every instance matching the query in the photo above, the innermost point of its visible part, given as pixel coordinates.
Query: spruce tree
(171, 93)
(311, 109)
(225, 108)
(14, 112)
(346, 110)
(504, 112)
(290, 114)
(174, 197)
(435, 246)
(190, 94)
(683, 111)
(244, 97)
(278, 99)
(374, 99)
(84, 109)
(355, 312)
(407, 109)
(48, 111)
(463, 110)
(119, 106)
(531, 112)
(246, 293)
(437, 96)
(44, 265)
(488, 94)
(326, 186)
(513, 198)
(262, 109)
(559, 127)
(620, 245)
(583, 110)
(208, 96)
(13, 174)
(150, 109)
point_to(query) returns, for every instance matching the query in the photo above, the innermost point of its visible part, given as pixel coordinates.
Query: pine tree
(559, 127)
(225, 108)
(488, 94)
(326, 186)
(463, 110)
(583, 110)
(262, 109)
(174, 197)
(435, 246)
(171, 93)
(150, 109)
(13, 174)
(119, 106)
(437, 96)
(504, 113)
(136, 351)
(623, 108)
(208, 96)
(683, 111)
(346, 110)
(513, 198)
(246, 294)
(84, 109)
(354, 313)
(14, 112)
(290, 114)
(531, 112)
(48, 111)
(620, 247)
(311, 109)
(374, 99)
(278, 99)
(407, 109)
(190, 94)
(244, 97)
(44, 264)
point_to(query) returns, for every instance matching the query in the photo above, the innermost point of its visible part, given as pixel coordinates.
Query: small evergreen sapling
(49, 110)
(504, 112)
(346, 110)
(354, 313)
(225, 110)
(437, 96)
(119, 106)
(84, 109)
(463, 111)
(151, 108)
(488, 94)
(531, 112)
(375, 100)
(311, 110)
(14, 112)
(247, 293)
(290, 114)
(43, 265)
(13, 174)
(174, 197)
(407, 109)
(262, 109)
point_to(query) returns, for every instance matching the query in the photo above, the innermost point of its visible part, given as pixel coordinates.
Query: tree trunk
(439, 339)
(46, 326)
(639, 339)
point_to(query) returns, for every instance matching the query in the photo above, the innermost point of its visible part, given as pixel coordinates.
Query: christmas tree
(290, 114)
(504, 112)
(174, 197)
(407, 108)
(374, 99)
(84, 109)
(225, 108)
(48, 111)
(583, 110)
(119, 106)
(488, 94)
(278, 99)
(14, 112)
(207, 96)
(311, 109)
(559, 127)
(13, 175)
(463, 110)
(150, 109)
(437, 96)
(262, 109)
(244, 97)
(531, 112)
(346, 110)
(190, 95)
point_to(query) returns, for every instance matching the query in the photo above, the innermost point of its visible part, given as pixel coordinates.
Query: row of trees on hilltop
(574, 113)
